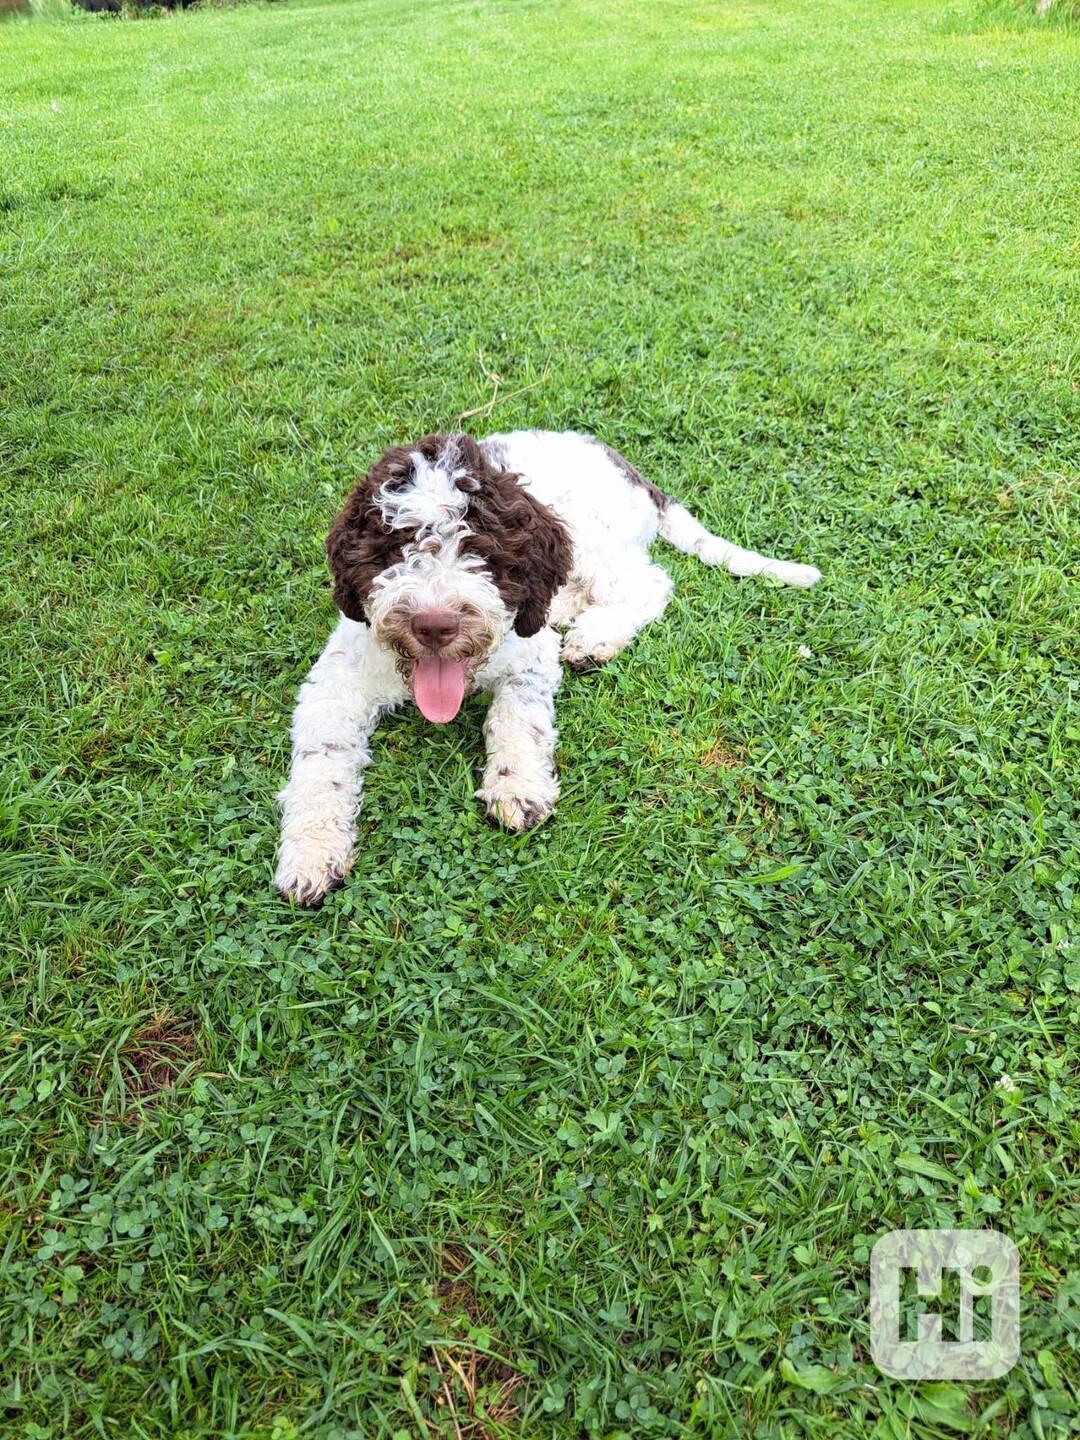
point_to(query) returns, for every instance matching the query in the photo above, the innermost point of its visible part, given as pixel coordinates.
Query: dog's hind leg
(623, 604)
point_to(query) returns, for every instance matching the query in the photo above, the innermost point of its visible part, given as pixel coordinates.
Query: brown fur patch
(361, 545)
(523, 544)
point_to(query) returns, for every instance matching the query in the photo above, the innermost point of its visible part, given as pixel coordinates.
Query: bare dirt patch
(157, 1055)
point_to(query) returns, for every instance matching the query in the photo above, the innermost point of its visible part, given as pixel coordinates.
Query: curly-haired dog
(452, 560)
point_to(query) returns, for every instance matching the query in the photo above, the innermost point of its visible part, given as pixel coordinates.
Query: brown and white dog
(452, 562)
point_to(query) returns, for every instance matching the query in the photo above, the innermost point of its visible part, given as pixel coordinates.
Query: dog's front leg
(338, 707)
(520, 785)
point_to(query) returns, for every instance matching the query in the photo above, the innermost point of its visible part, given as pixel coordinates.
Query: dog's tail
(679, 528)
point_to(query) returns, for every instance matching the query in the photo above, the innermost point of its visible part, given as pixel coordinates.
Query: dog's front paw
(307, 878)
(516, 805)
(518, 812)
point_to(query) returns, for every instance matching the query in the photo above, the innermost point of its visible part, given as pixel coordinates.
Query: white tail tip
(679, 528)
(801, 575)
(742, 562)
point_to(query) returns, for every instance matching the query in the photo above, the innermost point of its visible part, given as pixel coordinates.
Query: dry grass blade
(497, 398)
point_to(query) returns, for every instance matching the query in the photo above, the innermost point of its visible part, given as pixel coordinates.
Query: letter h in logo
(986, 1263)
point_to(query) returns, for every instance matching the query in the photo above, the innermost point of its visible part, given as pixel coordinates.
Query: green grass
(607, 1116)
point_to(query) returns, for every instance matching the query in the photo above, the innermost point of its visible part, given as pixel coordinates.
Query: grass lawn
(587, 1132)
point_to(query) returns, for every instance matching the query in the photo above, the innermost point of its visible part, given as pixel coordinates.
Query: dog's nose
(435, 628)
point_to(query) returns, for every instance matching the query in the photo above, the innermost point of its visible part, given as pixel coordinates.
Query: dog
(454, 562)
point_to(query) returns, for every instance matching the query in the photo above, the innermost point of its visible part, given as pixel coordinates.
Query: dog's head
(442, 552)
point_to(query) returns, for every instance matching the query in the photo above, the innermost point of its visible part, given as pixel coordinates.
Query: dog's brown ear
(343, 546)
(524, 545)
(546, 561)
(360, 544)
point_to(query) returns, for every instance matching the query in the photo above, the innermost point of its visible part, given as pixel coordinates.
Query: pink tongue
(439, 688)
